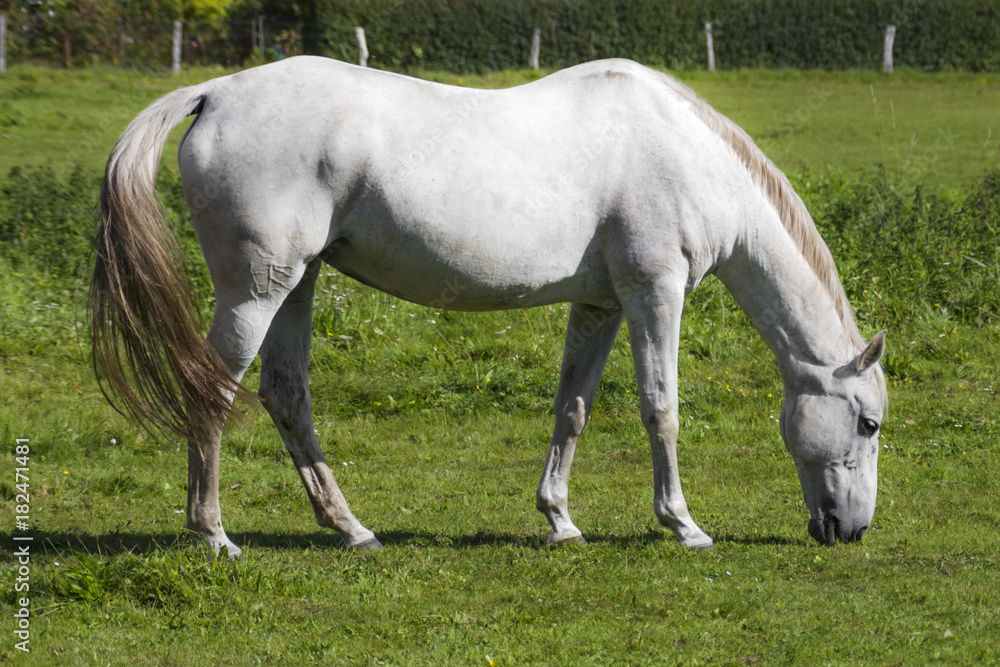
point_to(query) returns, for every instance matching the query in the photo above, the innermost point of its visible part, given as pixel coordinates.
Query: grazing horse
(607, 185)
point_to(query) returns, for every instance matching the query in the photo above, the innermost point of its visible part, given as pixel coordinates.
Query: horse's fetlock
(547, 502)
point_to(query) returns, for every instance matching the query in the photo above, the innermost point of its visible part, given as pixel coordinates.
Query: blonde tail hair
(152, 360)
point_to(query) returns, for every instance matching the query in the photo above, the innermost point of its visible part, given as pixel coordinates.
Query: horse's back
(410, 185)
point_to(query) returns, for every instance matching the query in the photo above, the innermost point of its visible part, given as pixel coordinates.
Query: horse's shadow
(117, 543)
(758, 540)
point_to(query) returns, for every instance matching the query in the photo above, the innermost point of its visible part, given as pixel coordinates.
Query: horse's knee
(278, 391)
(288, 404)
(284, 378)
(661, 422)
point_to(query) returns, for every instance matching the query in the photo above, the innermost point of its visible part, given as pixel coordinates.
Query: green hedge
(899, 249)
(47, 223)
(482, 35)
(904, 249)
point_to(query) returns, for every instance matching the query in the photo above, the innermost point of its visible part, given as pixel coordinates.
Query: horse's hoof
(219, 546)
(701, 544)
(555, 541)
(232, 551)
(371, 544)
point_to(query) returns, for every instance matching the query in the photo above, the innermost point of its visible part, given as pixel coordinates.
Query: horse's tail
(149, 351)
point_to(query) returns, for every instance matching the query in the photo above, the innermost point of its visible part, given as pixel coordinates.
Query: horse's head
(830, 425)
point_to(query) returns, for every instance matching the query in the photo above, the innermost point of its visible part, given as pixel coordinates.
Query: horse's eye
(868, 427)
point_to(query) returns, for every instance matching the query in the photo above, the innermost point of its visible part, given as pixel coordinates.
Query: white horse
(607, 185)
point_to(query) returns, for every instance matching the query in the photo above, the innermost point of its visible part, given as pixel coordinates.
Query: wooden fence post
(176, 52)
(260, 36)
(67, 49)
(711, 48)
(3, 43)
(890, 36)
(121, 41)
(359, 34)
(536, 45)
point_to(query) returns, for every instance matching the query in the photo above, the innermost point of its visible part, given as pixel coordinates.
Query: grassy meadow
(437, 425)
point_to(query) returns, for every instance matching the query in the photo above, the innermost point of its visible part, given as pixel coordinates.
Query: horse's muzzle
(829, 529)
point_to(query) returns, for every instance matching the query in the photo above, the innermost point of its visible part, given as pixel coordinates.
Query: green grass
(449, 489)
(937, 129)
(437, 425)
(61, 118)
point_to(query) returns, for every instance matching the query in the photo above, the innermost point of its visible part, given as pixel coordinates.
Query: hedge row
(900, 250)
(481, 35)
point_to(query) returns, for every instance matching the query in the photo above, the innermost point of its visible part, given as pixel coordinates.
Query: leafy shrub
(902, 248)
(896, 247)
(479, 35)
(47, 223)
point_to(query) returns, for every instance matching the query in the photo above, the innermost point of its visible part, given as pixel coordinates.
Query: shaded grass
(439, 604)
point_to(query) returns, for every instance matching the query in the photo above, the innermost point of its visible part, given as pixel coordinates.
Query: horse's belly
(464, 275)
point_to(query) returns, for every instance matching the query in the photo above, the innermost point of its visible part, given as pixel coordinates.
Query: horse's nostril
(830, 529)
(823, 531)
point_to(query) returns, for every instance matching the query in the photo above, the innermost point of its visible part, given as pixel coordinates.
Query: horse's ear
(871, 354)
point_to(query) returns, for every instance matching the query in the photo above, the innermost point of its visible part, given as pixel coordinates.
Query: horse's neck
(770, 278)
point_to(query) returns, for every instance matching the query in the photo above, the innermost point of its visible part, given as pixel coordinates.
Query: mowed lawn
(437, 426)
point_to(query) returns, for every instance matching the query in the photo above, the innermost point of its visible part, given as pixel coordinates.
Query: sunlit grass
(938, 129)
(445, 475)
(437, 424)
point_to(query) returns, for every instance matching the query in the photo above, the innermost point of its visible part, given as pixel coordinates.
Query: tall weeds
(899, 248)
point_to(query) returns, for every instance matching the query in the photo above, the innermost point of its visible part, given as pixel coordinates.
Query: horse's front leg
(654, 314)
(589, 339)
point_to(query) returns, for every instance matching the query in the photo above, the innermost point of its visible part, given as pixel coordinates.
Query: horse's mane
(789, 206)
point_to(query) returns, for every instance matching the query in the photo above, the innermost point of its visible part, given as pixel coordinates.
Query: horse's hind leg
(204, 514)
(284, 388)
(589, 339)
(654, 316)
(237, 332)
